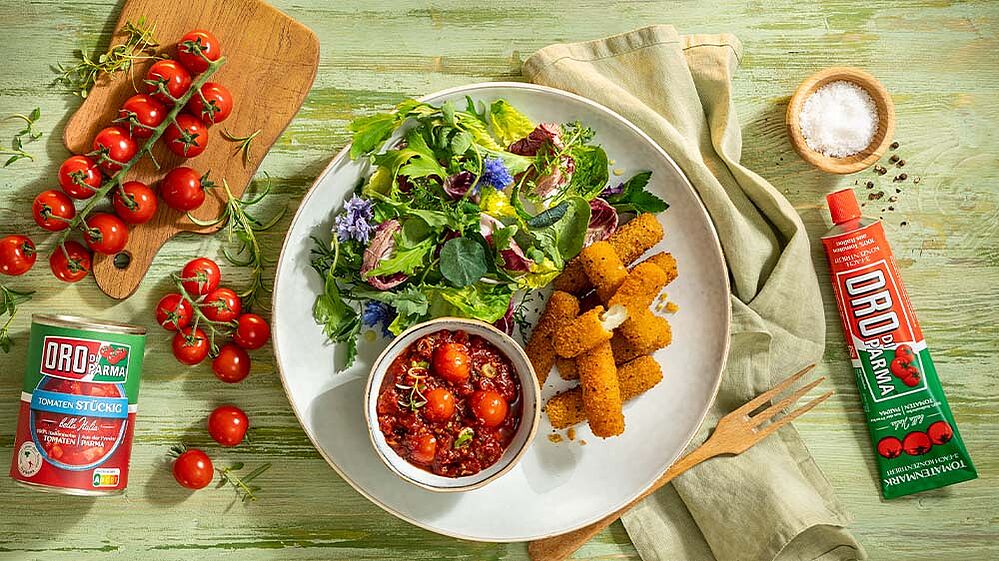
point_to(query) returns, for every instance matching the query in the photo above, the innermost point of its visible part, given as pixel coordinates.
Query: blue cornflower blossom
(354, 223)
(495, 173)
(375, 313)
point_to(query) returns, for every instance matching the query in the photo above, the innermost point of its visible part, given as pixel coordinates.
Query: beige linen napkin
(772, 502)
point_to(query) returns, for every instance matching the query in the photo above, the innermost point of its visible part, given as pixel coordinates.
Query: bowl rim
(391, 351)
(886, 120)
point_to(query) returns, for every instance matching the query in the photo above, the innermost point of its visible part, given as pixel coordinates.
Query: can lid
(58, 320)
(843, 206)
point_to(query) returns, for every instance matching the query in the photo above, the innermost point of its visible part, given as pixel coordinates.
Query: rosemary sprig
(244, 143)
(244, 249)
(242, 486)
(17, 151)
(9, 299)
(139, 45)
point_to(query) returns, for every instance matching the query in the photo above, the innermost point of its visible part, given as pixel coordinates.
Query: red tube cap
(843, 206)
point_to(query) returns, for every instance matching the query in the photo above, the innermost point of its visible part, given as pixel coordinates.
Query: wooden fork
(735, 433)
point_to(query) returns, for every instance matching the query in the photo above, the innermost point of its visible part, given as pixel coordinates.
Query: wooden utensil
(271, 63)
(886, 120)
(734, 434)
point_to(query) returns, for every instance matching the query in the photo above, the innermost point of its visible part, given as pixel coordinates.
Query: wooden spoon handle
(560, 547)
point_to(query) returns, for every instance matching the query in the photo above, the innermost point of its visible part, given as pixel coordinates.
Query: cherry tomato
(190, 345)
(451, 361)
(193, 45)
(53, 210)
(167, 75)
(114, 148)
(489, 407)
(71, 262)
(193, 469)
(440, 405)
(424, 449)
(890, 447)
(79, 177)
(105, 233)
(252, 331)
(183, 189)
(201, 276)
(916, 443)
(227, 425)
(212, 105)
(188, 137)
(17, 255)
(232, 364)
(221, 304)
(140, 114)
(138, 204)
(940, 432)
(174, 312)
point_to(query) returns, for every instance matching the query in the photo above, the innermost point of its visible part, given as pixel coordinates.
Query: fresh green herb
(244, 143)
(634, 198)
(139, 45)
(241, 485)
(464, 437)
(340, 322)
(413, 388)
(17, 151)
(590, 176)
(463, 261)
(508, 124)
(9, 300)
(521, 311)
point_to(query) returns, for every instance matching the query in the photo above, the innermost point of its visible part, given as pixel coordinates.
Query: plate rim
(718, 254)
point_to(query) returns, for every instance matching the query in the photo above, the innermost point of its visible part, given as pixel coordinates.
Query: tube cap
(843, 206)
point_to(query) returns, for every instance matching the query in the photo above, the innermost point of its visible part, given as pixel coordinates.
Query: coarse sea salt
(839, 119)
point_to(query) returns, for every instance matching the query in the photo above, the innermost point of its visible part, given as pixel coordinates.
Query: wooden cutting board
(271, 64)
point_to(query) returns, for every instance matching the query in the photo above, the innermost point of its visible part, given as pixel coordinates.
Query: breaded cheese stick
(566, 368)
(588, 330)
(633, 378)
(642, 328)
(629, 242)
(601, 394)
(625, 351)
(604, 269)
(665, 261)
(640, 288)
(561, 309)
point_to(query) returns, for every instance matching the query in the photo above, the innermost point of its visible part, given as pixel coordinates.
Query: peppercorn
(894, 145)
(870, 184)
(900, 163)
(903, 177)
(893, 159)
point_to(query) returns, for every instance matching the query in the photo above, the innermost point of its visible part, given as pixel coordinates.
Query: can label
(916, 440)
(78, 405)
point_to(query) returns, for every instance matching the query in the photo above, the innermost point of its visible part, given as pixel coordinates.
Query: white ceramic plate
(557, 487)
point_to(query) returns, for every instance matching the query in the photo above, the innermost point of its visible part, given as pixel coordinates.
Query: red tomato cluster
(227, 425)
(903, 366)
(217, 306)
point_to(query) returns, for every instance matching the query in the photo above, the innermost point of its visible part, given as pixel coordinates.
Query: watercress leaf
(590, 175)
(508, 124)
(463, 261)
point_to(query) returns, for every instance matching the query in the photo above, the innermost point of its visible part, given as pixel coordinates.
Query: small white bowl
(530, 408)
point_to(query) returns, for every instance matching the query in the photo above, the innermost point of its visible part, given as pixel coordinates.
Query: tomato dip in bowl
(452, 404)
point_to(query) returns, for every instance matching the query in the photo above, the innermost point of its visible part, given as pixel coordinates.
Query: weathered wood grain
(936, 57)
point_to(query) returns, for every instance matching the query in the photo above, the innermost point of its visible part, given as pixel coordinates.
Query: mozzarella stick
(643, 328)
(629, 242)
(624, 351)
(633, 378)
(562, 307)
(566, 368)
(665, 261)
(588, 330)
(601, 394)
(604, 269)
(640, 288)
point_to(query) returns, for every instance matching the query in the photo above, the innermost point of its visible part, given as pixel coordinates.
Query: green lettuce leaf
(508, 124)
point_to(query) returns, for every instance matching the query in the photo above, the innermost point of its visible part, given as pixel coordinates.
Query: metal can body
(78, 404)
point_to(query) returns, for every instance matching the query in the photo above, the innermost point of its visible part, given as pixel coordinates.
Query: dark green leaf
(463, 261)
(548, 217)
(635, 198)
(590, 175)
(371, 132)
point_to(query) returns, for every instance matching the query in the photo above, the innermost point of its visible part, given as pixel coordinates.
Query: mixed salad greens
(467, 208)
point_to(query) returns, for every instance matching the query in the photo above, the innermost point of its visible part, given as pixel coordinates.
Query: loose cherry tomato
(424, 449)
(221, 304)
(53, 210)
(105, 233)
(212, 105)
(188, 137)
(137, 205)
(183, 189)
(232, 364)
(140, 114)
(79, 177)
(71, 262)
(201, 276)
(489, 407)
(167, 75)
(174, 312)
(114, 148)
(192, 46)
(940, 432)
(451, 361)
(193, 469)
(252, 331)
(227, 425)
(190, 345)
(916, 443)
(440, 405)
(17, 255)
(890, 447)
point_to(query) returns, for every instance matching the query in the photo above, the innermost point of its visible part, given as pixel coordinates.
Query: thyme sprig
(17, 151)
(139, 45)
(244, 143)
(9, 300)
(241, 485)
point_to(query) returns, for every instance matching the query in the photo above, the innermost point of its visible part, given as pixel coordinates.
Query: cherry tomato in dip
(232, 364)
(221, 304)
(79, 177)
(17, 255)
(212, 104)
(183, 189)
(190, 345)
(200, 276)
(53, 210)
(114, 147)
(174, 312)
(193, 469)
(196, 46)
(105, 233)
(71, 262)
(135, 202)
(227, 425)
(450, 403)
(140, 114)
(252, 332)
(188, 137)
(167, 75)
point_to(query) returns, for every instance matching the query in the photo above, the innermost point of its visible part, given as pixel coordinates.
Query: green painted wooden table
(938, 59)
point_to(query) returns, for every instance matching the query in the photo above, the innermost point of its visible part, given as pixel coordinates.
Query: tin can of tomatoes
(78, 404)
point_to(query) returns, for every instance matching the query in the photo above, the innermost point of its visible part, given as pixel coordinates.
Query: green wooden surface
(938, 58)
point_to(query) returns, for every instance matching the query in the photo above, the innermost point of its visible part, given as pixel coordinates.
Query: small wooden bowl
(886, 120)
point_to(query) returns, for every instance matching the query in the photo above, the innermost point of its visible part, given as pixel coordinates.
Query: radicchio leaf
(545, 132)
(506, 323)
(458, 184)
(513, 257)
(603, 221)
(381, 247)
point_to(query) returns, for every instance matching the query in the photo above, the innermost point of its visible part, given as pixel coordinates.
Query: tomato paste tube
(916, 441)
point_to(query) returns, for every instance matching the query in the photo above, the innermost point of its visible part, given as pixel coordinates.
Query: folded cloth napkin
(771, 502)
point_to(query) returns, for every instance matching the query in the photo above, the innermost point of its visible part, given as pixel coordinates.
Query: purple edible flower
(375, 313)
(354, 223)
(611, 191)
(496, 174)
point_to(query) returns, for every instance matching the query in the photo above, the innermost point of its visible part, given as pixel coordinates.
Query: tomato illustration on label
(940, 432)
(916, 443)
(890, 447)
